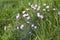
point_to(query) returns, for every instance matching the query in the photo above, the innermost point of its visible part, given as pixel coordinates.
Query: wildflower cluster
(28, 17)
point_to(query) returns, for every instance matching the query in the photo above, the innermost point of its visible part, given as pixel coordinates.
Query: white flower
(38, 14)
(27, 9)
(32, 6)
(25, 15)
(44, 4)
(35, 5)
(22, 26)
(23, 12)
(28, 18)
(28, 22)
(5, 28)
(41, 16)
(54, 9)
(47, 6)
(35, 27)
(29, 32)
(44, 9)
(17, 16)
(38, 8)
(32, 25)
(17, 27)
(59, 13)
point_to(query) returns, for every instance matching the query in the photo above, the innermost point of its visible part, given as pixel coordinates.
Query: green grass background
(48, 28)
